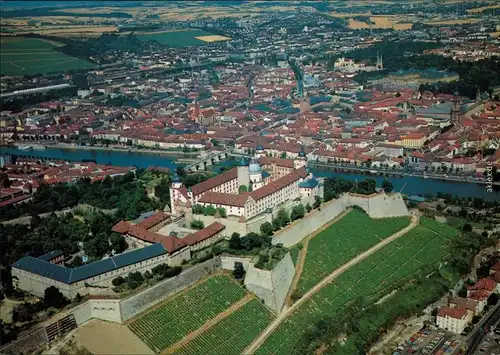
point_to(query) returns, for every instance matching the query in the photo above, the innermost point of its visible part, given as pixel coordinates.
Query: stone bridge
(211, 159)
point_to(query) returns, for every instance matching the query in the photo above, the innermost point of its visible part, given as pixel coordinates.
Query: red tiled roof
(288, 163)
(478, 295)
(278, 184)
(153, 220)
(215, 181)
(219, 198)
(483, 284)
(204, 233)
(121, 227)
(457, 313)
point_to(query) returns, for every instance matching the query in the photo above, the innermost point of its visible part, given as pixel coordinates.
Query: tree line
(125, 193)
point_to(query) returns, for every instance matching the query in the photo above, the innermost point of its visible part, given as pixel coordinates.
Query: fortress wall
(142, 301)
(82, 312)
(297, 231)
(108, 310)
(282, 277)
(379, 205)
(271, 286)
(227, 261)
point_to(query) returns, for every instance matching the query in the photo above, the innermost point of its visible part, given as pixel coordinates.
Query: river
(411, 185)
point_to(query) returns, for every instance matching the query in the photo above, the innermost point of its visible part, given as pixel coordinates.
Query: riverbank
(411, 185)
(173, 153)
(385, 172)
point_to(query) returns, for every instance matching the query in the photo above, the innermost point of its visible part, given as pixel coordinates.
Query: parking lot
(431, 342)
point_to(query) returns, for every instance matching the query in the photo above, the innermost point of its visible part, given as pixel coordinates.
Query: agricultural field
(389, 21)
(415, 253)
(483, 8)
(185, 313)
(453, 22)
(232, 334)
(29, 56)
(182, 38)
(351, 235)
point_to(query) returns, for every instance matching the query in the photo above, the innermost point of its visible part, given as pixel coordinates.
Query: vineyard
(353, 234)
(232, 334)
(168, 324)
(416, 252)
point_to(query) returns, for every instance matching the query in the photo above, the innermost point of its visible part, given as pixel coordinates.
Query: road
(477, 335)
(285, 312)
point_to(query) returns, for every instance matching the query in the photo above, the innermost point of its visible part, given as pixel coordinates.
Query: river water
(406, 184)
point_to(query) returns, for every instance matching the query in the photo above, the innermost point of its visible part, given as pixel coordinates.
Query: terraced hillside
(232, 334)
(415, 253)
(185, 313)
(342, 241)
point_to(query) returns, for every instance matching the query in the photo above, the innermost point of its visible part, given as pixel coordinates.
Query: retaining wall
(294, 233)
(227, 261)
(142, 301)
(271, 285)
(377, 205)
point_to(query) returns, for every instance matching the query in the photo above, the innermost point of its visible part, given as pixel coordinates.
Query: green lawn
(183, 38)
(29, 56)
(232, 334)
(353, 234)
(414, 254)
(168, 324)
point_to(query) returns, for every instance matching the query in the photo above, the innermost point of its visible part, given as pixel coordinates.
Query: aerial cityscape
(250, 177)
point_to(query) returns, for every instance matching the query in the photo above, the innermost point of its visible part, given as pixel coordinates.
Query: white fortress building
(249, 189)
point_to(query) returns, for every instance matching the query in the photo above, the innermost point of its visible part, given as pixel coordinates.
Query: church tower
(174, 192)
(380, 64)
(455, 110)
(255, 172)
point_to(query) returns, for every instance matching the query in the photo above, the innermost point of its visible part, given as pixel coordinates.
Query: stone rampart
(140, 302)
(271, 285)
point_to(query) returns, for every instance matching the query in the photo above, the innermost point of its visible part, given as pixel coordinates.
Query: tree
(317, 202)
(23, 312)
(222, 212)
(235, 242)
(283, 217)
(387, 186)
(297, 212)
(308, 208)
(276, 224)
(197, 224)
(492, 299)
(239, 271)
(266, 228)
(242, 189)
(77, 261)
(118, 281)
(118, 243)
(54, 298)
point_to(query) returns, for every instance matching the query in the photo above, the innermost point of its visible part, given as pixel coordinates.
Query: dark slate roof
(309, 184)
(51, 255)
(69, 275)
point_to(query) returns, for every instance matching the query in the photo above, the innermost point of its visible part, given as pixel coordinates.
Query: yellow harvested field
(73, 31)
(481, 9)
(453, 22)
(381, 22)
(402, 26)
(212, 38)
(100, 337)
